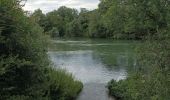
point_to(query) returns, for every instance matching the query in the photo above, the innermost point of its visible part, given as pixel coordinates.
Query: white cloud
(49, 5)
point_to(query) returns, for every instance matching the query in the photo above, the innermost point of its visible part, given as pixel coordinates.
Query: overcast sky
(49, 5)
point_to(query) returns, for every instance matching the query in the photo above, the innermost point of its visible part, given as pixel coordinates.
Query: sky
(49, 5)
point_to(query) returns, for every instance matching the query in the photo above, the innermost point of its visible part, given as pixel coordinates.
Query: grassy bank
(62, 85)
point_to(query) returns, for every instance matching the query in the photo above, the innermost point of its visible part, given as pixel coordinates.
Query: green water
(94, 62)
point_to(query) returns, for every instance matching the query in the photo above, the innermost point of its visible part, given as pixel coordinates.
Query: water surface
(93, 62)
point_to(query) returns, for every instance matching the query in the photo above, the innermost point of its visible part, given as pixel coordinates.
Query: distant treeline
(27, 74)
(118, 19)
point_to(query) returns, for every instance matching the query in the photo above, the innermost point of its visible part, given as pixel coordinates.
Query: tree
(22, 51)
(25, 71)
(74, 29)
(147, 20)
(59, 19)
(54, 21)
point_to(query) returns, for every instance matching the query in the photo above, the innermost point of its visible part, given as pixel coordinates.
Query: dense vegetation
(150, 81)
(118, 19)
(146, 20)
(25, 71)
(151, 78)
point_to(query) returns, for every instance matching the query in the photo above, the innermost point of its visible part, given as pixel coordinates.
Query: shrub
(62, 85)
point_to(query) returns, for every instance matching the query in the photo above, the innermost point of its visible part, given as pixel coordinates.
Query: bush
(25, 72)
(62, 86)
(128, 89)
(151, 80)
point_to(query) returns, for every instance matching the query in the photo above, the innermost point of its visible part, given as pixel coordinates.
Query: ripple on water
(91, 71)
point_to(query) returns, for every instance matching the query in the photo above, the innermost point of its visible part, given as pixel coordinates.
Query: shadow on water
(90, 65)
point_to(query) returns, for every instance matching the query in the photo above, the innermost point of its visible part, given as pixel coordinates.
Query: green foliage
(139, 87)
(151, 79)
(74, 29)
(147, 20)
(62, 85)
(39, 18)
(54, 32)
(22, 51)
(128, 89)
(118, 19)
(96, 27)
(60, 19)
(25, 72)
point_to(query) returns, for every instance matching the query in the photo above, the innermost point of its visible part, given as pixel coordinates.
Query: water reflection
(84, 67)
(91, 71)
(94, 63)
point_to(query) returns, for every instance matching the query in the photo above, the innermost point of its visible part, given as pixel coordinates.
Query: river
(94, 62)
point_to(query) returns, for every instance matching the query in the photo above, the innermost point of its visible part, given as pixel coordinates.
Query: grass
(62, 85)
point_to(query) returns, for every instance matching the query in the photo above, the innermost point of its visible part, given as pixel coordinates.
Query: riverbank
(150, 79)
